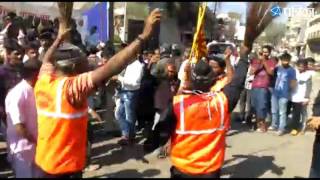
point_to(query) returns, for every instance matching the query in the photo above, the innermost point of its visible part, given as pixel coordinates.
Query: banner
(98, 16)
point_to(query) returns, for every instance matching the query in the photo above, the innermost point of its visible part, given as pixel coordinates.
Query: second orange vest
(198, 144)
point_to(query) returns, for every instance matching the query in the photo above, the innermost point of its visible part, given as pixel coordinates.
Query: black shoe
(123, 141)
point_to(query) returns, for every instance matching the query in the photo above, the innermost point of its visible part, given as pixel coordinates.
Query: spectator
(146, 93)
(301, 97)
(31, 52)
(46, 40)
(93, 38)
(82, 30)
(313, 71)
(10, 72)
(93, 59)
(75, 37)
(159, 69)
(245, 101)
(22, 122)
(130, 85)
(262, 69)
(176, 56)
(284, 84)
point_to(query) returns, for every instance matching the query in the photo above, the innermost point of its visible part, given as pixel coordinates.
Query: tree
(258, 18)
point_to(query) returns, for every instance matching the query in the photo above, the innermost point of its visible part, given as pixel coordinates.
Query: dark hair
(94, 27)
(108, 51)
(202, 76)
(11, 15)
(267, 47)
(32, 45)
(12, 45)
(303, 62)
(67, 56)
(285, 56)
(310, 60)
(221, 62)
(30, 68)
(13, 30)
(46, 33)
(92, 50)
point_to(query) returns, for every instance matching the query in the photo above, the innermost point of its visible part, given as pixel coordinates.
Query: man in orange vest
(61, 94)
(197, 122)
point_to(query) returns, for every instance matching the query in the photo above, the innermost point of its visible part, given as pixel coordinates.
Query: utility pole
(111, 21)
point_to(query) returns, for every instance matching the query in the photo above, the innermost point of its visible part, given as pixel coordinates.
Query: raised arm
(119, 61)
(230, 71)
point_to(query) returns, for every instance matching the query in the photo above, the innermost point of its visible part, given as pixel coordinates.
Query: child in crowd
(300, 97)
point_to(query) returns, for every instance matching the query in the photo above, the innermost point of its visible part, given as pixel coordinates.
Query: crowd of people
(47, 91)
(278, 88)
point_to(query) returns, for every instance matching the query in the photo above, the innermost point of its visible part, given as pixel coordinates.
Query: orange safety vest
(220, 84)
(198, 144)
(62, 128)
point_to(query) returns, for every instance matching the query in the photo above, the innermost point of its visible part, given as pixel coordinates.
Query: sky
(240, 7)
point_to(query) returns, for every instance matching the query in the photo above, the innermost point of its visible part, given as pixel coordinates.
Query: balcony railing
(313, 32)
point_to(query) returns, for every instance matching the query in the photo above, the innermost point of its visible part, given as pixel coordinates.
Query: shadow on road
(236, 126)
(110, 154)
(133, 173)
(250, 166)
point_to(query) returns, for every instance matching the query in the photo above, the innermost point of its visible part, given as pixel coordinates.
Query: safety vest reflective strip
(58, 113)
(182, 130)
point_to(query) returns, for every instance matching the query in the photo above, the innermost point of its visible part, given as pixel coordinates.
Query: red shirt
(262, 79)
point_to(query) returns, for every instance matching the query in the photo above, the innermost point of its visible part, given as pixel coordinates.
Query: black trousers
(298, 113)
(245, 106)
(175, 173)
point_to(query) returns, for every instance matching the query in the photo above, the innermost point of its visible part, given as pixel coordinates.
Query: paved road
(249, 154)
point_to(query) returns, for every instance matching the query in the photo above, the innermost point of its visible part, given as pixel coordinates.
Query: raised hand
(227, 53)
(150, 23)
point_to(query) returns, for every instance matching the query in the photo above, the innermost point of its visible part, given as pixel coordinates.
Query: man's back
(202, 123)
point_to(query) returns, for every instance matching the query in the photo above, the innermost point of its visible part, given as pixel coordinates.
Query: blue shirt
(283, 78)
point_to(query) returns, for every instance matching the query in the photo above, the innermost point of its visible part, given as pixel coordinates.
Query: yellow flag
(199, 47)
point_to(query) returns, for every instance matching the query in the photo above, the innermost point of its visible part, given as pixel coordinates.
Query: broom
(65, 9)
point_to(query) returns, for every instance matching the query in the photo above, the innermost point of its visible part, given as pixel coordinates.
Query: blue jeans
(279, 112)
(259, 102)
(126, 114)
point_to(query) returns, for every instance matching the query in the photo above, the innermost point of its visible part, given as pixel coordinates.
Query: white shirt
(21, 108)
(299, 93)
(249, 79)
(131, 79)
(181, 70)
